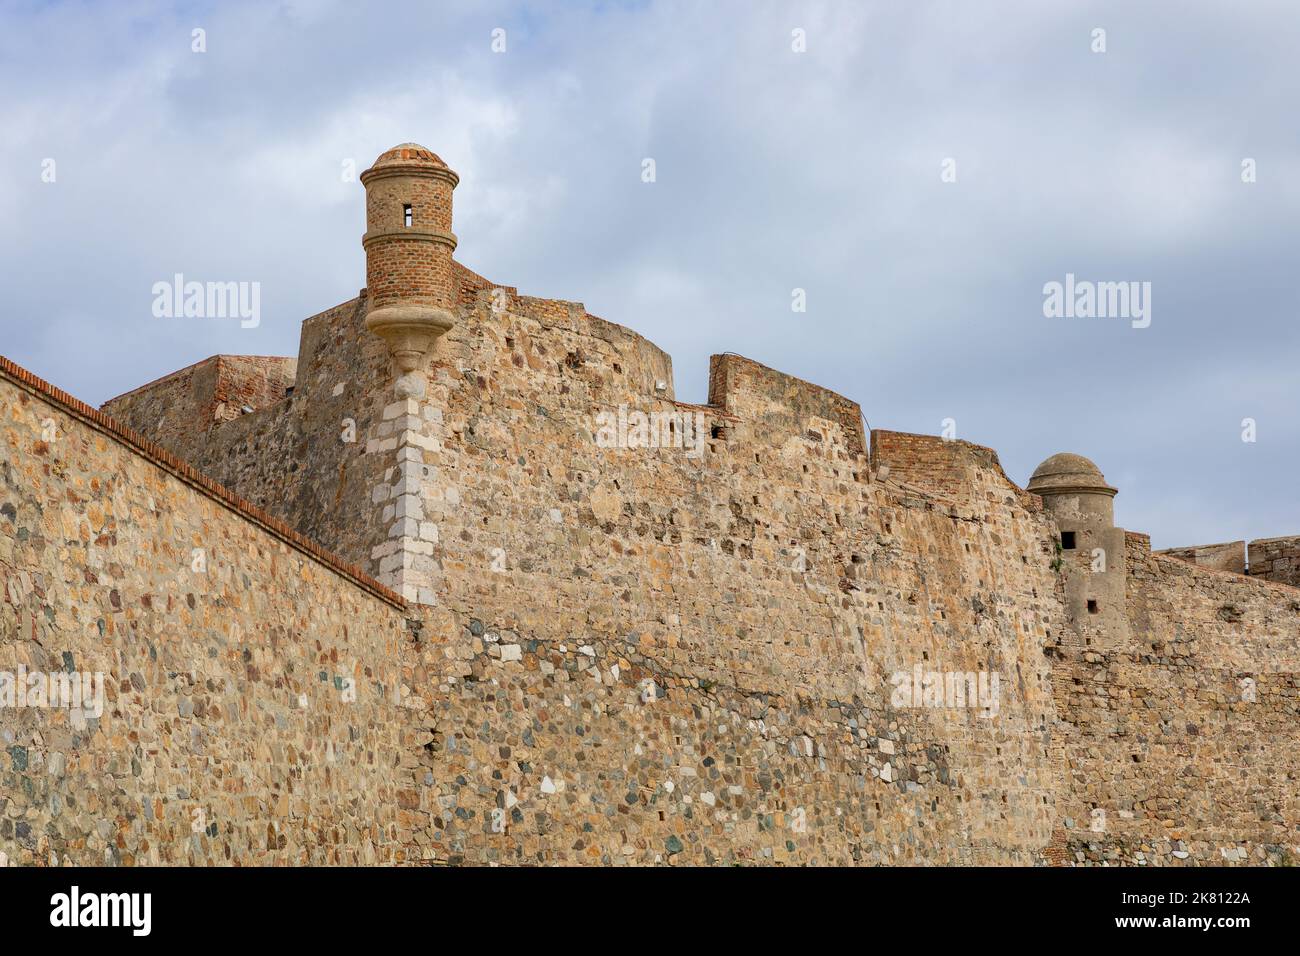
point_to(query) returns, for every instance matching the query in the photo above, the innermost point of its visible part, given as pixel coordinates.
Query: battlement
(1270, 559)
(1275, 559)
(178, 409)
(1228, 556)
(1137, 543)
(951, 469)
(777, 405)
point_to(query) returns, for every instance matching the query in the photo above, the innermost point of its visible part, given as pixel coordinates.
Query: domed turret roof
(410, 159)
(1066, 473)
(410, 154)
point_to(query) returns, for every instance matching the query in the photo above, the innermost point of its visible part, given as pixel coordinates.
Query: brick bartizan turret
(409, 244)
(1091, 548)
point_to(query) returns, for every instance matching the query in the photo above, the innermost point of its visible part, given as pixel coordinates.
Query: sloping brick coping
(170, 463)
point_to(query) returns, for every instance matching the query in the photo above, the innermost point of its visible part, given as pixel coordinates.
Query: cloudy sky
(775, 170)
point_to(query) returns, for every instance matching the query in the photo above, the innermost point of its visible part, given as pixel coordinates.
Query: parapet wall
(250, 707)
(1276, 559)
(1230, 556)
(178, 410)
(1270, 559)
(781, 405)
(946, 468)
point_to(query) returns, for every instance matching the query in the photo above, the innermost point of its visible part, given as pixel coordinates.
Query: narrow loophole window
(406, 215)
(1092, 606)
(1067, 540)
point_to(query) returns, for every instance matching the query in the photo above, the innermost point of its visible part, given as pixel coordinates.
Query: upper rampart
(179, 409)
(1271, 559)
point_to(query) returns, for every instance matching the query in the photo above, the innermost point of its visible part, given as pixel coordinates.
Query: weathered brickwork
(944, 468)
(630, 630)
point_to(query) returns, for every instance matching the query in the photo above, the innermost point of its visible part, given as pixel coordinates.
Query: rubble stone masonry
(745, 632)
(1276, 559)
(630, 655)
(1271, 559)
(180, 409)
(252, 711)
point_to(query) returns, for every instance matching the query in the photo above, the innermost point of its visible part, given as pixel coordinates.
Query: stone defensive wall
(1177, 733)
(465, 583)
(179, 409)
(249, 708)
(639, 655)
(636, 655)
(667, 649)
(1276, 559)
(1272, 559)
(1179, 743)
(642, 654)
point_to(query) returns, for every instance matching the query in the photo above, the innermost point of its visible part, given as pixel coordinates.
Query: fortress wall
(1137, 543)
(1230, 556)
(339, 492)
(174, 410)
(177, 410)
(312, 462)
(781, 405)
(766, 590)
(227, 735)
(946, 468)
(319, 460)
(638, 654)
(1276, 559)
(599, 352)
(1162, 734)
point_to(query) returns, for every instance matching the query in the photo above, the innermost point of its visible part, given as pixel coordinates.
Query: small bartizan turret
(1091, 548)
(409, 244)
